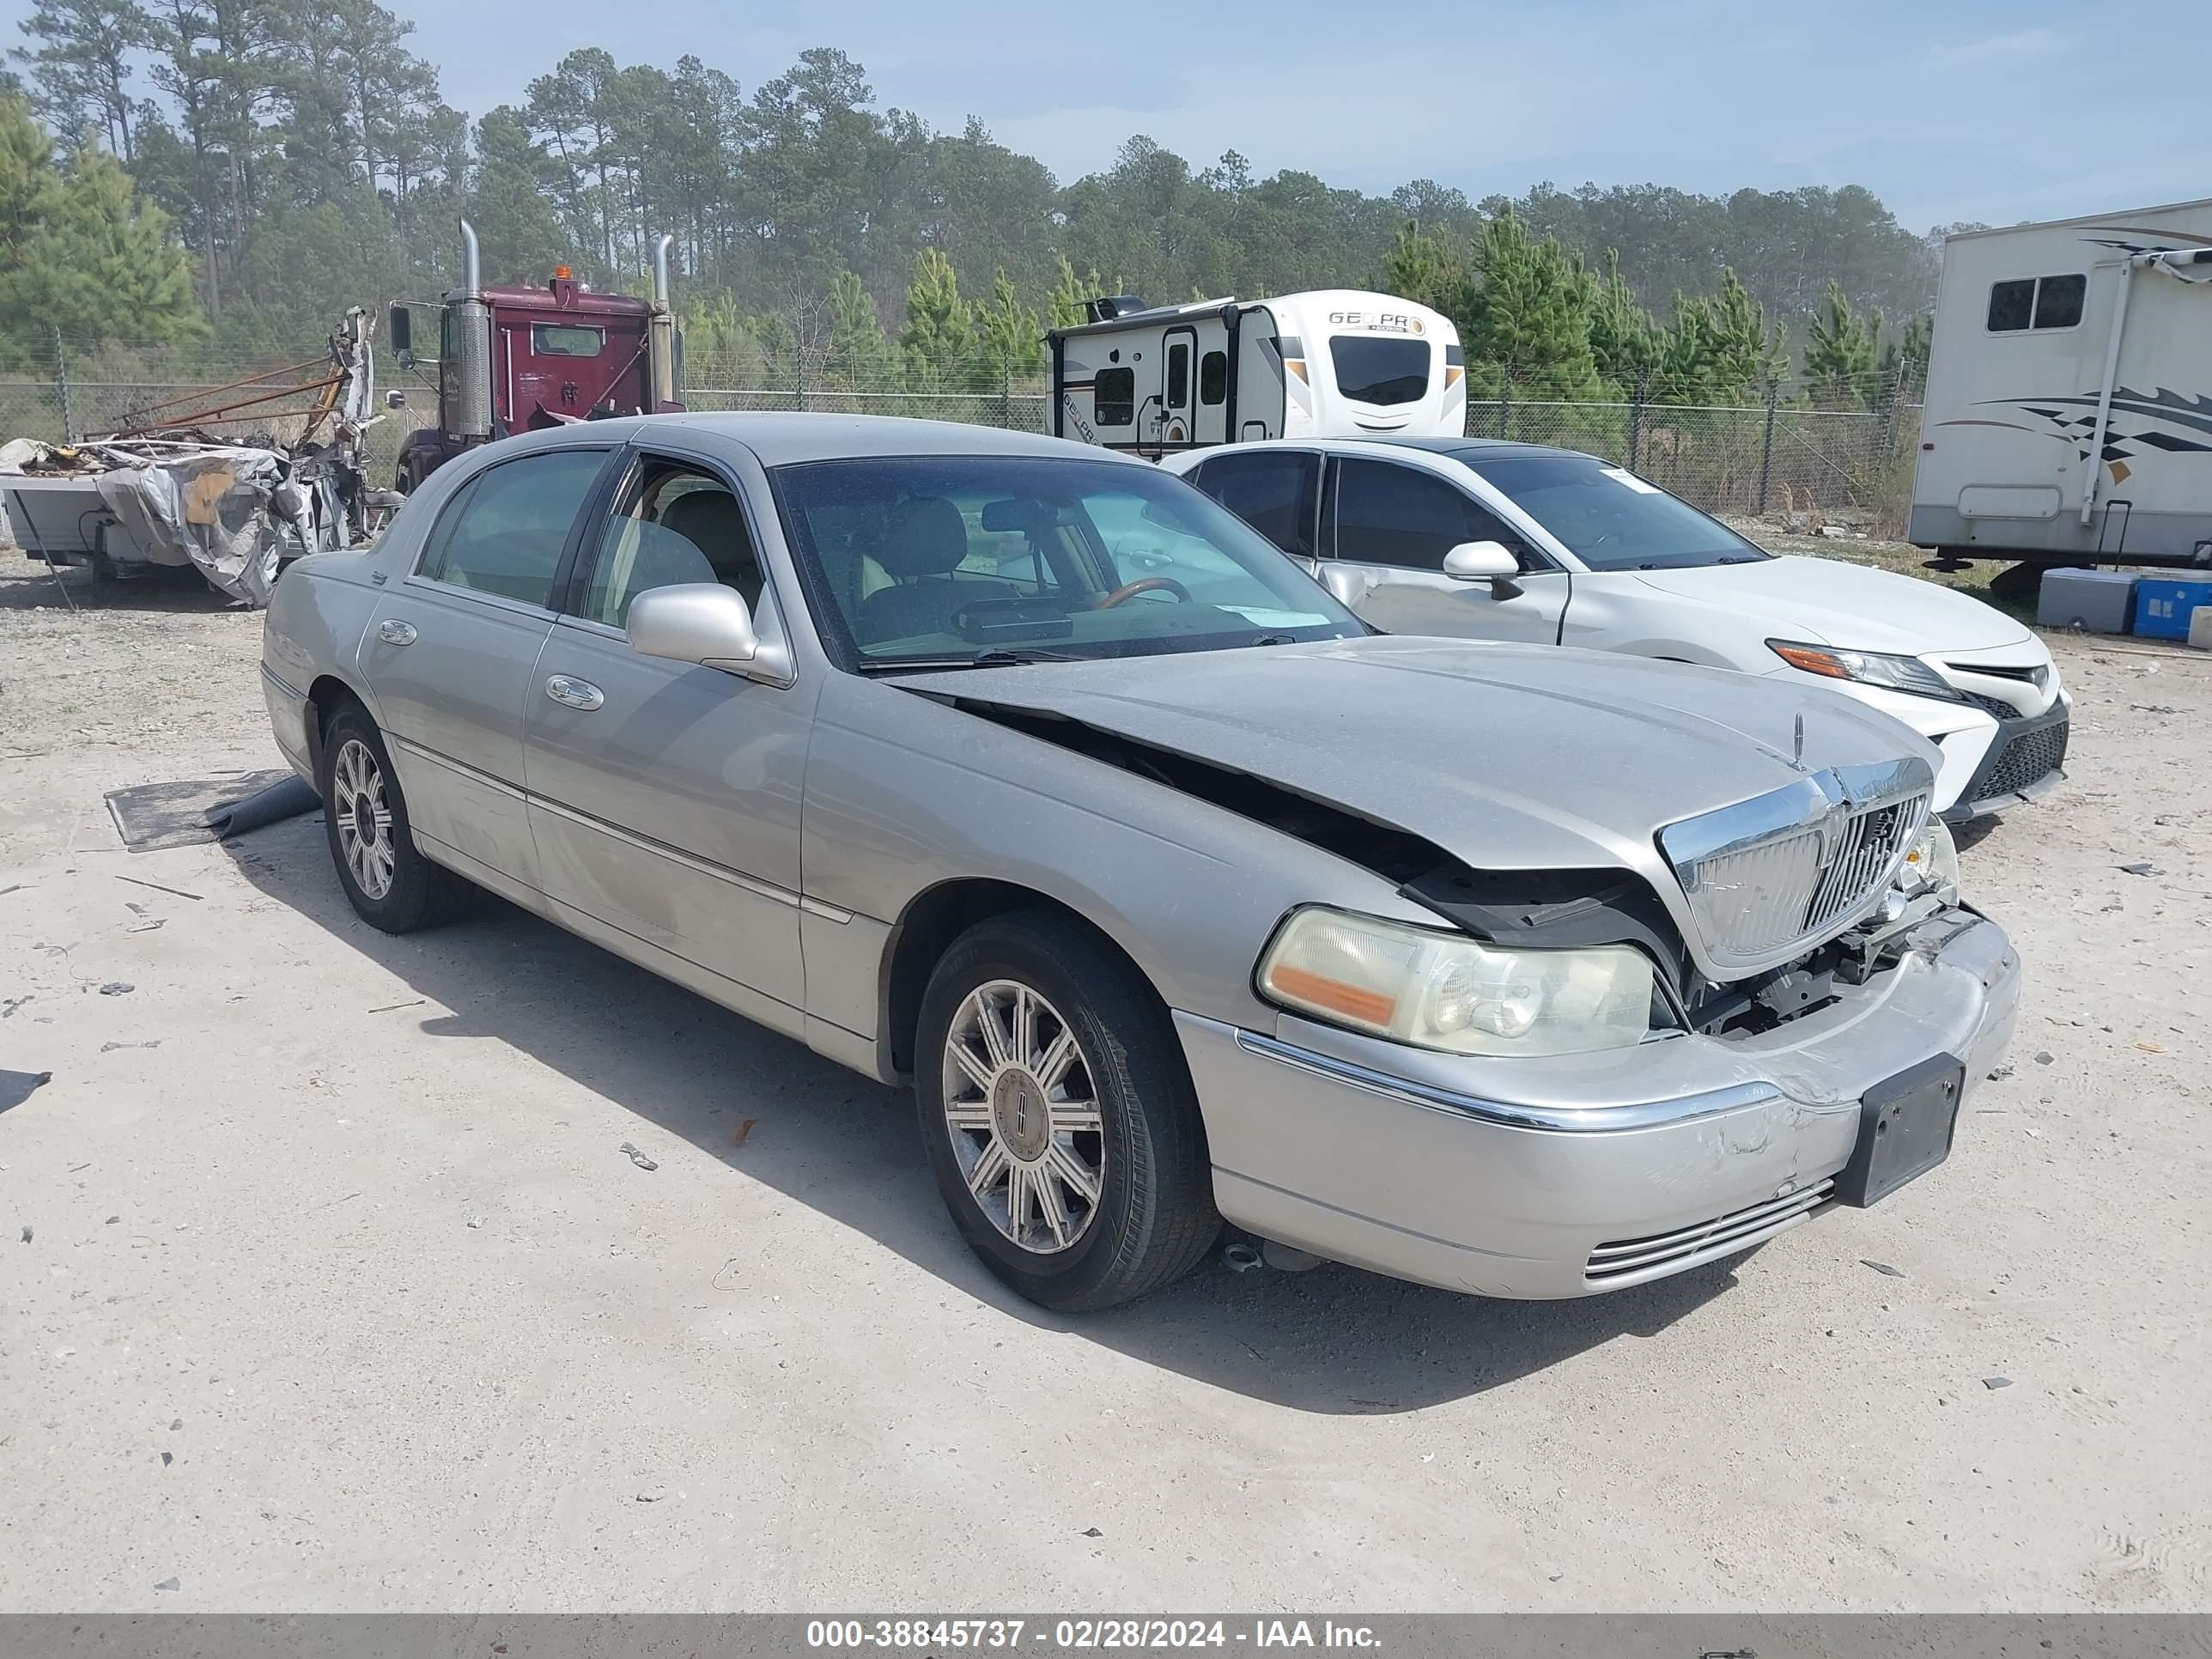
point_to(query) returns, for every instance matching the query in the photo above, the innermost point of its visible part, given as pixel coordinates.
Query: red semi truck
(516, 359)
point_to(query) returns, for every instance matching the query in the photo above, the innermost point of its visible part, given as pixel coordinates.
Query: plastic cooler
(2098, 601)
(2165, 604)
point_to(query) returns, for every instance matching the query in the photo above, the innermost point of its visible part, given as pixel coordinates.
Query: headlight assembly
(1438, 989)
(1932, 866)
(1868, 667)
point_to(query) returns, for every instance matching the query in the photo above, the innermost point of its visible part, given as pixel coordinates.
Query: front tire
(391, 886)
(1058, 1116)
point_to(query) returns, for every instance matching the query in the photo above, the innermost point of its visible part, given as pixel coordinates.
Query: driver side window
(673, 523)
(1396, 515)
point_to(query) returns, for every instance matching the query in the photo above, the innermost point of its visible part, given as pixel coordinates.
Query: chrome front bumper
(1568, 1176)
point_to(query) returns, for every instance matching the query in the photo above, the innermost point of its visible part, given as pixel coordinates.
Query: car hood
(1509, 757)
(1828, 602)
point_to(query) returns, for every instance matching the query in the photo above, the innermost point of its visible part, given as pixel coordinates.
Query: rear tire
(1058, 1116)
(391, 886)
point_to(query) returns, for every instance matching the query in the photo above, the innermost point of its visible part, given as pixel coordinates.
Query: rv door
(1177, 383)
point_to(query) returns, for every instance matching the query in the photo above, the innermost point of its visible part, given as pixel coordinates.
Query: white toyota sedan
(1482, 539)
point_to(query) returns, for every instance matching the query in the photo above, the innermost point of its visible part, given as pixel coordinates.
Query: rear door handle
(393, 631)
(573, 693)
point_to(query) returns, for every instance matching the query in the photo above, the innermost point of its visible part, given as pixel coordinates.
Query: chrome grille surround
(1771, 877)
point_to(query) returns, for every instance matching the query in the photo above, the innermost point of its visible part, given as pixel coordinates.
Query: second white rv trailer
(2068, 415)
(1336, 362)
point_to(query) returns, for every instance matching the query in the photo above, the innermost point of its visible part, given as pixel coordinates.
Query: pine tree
(87, 254)
(936, 339)
(1626, 341)
(1429, 269)
(1529, 330)
(1719, 349)
(1843, 354)
(1068, 293)
(859, 354)
(1008, 336)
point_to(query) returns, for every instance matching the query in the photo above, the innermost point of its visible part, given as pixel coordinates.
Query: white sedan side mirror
(701, 623)
(1471, 561)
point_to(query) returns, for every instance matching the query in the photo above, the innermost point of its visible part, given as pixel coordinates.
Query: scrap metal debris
(16, 1087)
(743, 1129)
(638, 1157)
(202, 480)
(1881, 1267)
(392, 1007)
(1993, 1384)
(117, 988)
(2144, 868)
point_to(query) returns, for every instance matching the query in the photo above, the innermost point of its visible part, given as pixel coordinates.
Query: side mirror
(399, 330)
(1491, 561)
(701, 623)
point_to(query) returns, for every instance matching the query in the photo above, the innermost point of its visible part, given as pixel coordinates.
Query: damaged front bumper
(1569, 1176)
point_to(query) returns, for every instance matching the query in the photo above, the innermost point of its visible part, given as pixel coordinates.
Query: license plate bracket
(1907, 1124)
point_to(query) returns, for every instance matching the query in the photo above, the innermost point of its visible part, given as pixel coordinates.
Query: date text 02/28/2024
(1083, 1635)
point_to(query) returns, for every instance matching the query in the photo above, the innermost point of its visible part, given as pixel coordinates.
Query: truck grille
(1770, 877)
(1739, 1229)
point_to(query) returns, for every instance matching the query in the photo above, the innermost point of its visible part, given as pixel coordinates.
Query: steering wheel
(1143, 585)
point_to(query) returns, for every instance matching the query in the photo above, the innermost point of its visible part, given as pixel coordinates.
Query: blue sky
(1947, 109)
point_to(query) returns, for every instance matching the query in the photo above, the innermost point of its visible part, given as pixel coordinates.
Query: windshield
(1609, 519)
(1383, 372)
(938, 559)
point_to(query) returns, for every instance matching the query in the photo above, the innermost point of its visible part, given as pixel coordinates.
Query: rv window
(1272, 490)
(1213, 377)
(1179, 376)
(1114, 397)
(2012, 305)
(1383, 372)
(2058, 301)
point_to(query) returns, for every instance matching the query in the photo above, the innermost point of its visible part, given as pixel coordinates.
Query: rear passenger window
(505, 532)
(1114, 397)
(1274, 491)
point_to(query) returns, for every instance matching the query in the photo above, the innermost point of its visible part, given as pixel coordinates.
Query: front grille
(1997, 706)
(1755, 901)
(2021, 762)
(1737, 1229)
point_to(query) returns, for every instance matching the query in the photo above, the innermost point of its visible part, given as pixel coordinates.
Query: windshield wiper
(998, 657)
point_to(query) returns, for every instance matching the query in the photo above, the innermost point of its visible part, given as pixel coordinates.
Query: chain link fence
(1776, 457)
(1765, 458)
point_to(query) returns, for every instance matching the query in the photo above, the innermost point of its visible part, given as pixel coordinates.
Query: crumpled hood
(1512, 756)
(1827, 602)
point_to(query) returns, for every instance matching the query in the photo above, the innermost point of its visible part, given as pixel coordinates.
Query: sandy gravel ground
(324, 1284)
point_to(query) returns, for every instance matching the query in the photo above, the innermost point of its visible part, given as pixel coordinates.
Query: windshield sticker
(1619, 476)
(1263, 618)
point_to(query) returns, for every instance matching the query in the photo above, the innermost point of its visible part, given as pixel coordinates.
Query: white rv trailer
(2069, 415)
(1337, 362)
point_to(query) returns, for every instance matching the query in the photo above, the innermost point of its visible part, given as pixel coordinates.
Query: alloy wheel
(1023, 1116)
(363, 814)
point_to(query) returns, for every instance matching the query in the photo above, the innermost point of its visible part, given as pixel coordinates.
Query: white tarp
(231, 512)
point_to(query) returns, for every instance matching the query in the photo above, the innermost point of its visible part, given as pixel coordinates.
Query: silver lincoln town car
(1027, 775)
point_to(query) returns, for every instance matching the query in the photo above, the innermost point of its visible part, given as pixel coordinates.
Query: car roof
(1465, 449)
(781, 439)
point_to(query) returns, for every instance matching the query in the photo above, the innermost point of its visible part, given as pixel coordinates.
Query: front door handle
(393, 631)
(573, 693)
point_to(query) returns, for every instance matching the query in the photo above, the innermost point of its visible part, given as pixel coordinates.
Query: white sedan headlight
(1443, 990)
(1932, 866)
